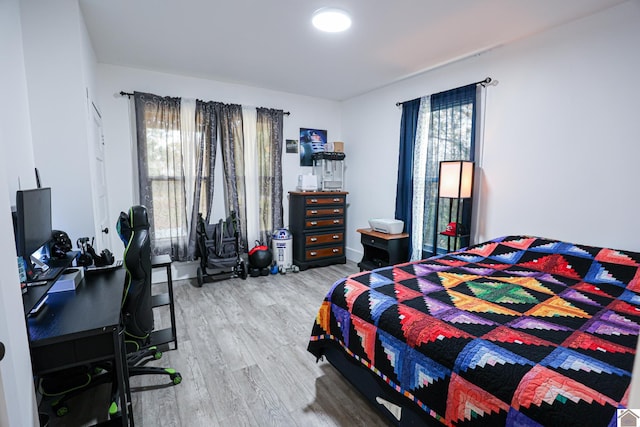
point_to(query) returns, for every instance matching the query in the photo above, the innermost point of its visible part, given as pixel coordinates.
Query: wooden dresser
(317, 222)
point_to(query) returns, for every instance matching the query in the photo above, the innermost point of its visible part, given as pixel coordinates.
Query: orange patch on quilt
(466, 400)
(615, 257)
(323, 318)
(419, 327)
(352, 290)
(450, 280)
(367, 333)
(541, 384)
(556, 306)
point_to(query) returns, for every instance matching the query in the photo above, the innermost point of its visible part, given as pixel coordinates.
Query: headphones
(61, 244)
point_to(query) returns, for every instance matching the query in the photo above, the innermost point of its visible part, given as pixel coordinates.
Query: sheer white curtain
(188, 148)
(479, 207)
(249, 120)
(419, 176)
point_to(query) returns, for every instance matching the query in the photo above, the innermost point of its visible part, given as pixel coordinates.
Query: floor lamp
(455, 182)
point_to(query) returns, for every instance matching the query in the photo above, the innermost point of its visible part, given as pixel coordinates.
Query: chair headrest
(136, 219)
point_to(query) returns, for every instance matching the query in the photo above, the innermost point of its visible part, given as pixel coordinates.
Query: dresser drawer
(312, 254)
(325, 222)
(310, 213)
(324, 200)
(323, 239)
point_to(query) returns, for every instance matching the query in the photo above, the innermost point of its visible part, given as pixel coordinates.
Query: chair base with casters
(219, 251)
(62, 387)
(136, 361)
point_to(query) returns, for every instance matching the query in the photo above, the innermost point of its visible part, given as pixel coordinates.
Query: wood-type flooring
(242, 356)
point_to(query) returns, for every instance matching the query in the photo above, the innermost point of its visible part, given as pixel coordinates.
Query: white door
(98, 182)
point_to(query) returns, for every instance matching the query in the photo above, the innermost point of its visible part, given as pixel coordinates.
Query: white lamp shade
(456, 179)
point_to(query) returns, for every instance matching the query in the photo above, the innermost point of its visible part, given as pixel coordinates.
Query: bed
(518, 331)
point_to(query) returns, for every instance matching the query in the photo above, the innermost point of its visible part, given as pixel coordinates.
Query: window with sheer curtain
(177, 142)
(451, 136)
(167, 162)
(432, 129)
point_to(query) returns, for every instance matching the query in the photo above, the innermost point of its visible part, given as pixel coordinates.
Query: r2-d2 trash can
(282, 243)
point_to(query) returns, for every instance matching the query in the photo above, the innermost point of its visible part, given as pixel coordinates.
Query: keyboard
(50, 274)
(113, 266)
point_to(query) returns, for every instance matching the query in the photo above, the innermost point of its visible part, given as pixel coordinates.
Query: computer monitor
(32, 223)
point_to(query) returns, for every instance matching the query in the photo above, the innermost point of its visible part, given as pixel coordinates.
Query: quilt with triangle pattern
(518, 331)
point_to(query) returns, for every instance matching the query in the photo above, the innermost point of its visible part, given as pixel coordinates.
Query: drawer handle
(313, 253)
(373, 241)
(313, 212)
(314, 239)
(336, 250)
(336, 236)
(314, 200)
(314, 222)
(337, 199)
(336, 221)
(336, 211)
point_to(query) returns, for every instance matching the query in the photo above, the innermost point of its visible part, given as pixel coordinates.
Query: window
(450, 136)
(166, 159)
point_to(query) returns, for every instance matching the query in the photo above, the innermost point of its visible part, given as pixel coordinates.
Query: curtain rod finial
(489, 82)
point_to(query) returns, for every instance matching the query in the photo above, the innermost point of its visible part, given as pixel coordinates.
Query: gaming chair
(137, 313)
(137, 317)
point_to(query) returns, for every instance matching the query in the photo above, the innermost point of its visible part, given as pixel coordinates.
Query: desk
(35, 293)
(81, 327)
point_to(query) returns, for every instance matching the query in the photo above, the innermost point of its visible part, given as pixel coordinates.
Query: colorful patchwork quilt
(518, 331)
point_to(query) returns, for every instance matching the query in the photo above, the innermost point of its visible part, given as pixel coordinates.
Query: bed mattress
(519, 330)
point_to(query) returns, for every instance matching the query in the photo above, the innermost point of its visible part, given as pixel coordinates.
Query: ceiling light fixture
(331, 20)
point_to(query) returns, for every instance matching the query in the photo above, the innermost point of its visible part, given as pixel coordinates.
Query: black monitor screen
(33, 220)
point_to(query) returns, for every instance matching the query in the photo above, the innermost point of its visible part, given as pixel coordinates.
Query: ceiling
(272, 44)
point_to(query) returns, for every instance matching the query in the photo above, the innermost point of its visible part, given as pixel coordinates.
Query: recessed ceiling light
(331, 20)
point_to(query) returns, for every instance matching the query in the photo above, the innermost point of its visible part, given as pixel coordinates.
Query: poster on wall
(311, 141)
(292, 145)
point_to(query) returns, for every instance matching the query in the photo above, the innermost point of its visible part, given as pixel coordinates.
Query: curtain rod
(129, 95)
(484, 82)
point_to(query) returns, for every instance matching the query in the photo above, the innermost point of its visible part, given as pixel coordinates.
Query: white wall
(17, 397)
(561, 141)
(58, 62)
(16, 125)
(120, 135)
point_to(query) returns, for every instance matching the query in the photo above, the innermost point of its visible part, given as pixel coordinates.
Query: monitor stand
(39, 264)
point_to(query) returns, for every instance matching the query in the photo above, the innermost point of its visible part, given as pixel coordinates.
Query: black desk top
(95, 305)
(35, 293)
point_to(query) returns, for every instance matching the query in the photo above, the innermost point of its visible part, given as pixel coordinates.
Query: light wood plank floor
(242, 355)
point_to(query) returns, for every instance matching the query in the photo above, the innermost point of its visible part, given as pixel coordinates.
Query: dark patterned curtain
(232, 145)
(163, 159)
(160, 167)
(269, 137)
(404, 186)
(205, 161)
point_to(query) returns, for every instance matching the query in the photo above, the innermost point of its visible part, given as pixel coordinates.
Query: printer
(388, 226)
